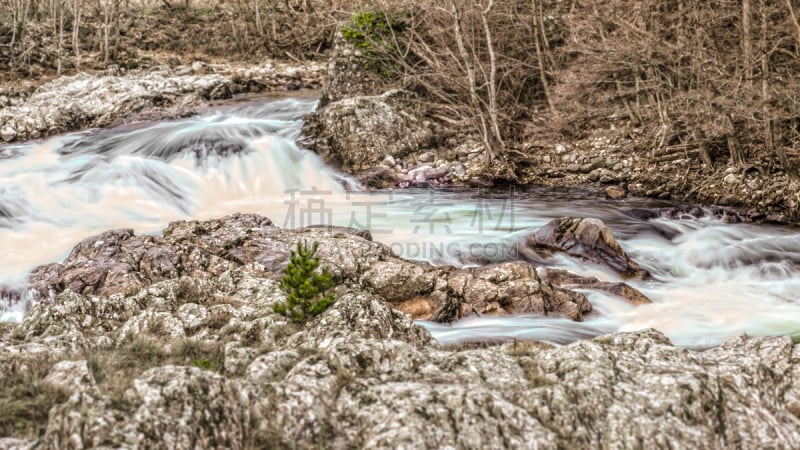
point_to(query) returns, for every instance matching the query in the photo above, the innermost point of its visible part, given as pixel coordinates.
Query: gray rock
(359, 132)
(82, 101)
(363, 374)
(426, 157)
(615, 193)
(589, 239)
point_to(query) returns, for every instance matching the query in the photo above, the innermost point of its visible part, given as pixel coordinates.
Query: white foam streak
(710, 280)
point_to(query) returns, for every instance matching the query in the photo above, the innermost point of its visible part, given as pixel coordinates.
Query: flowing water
(711, 279)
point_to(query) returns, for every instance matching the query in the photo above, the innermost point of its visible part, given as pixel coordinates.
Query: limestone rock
(358, 132)
(82, 100)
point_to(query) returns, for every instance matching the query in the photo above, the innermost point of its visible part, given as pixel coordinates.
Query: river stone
(615, 193)
(569, 280)
(358, 132)
(589, 239)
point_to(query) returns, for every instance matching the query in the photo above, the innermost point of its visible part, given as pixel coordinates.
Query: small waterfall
(54, 194)
(711, 279)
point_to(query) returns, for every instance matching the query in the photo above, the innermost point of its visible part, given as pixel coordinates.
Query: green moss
(372, 33)
(204, 363)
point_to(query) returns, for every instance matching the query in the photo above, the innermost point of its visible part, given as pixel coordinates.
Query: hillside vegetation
(716, 81)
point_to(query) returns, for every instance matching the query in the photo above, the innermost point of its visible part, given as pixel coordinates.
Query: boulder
(358, 132)
(588, 239)
(118, 262)
(448, 294)
(347, 74)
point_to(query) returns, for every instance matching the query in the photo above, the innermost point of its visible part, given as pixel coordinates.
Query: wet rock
(589, 239)
(441, 294)
(569, 280)
(120, 262)
(378, 177)
(615, 193)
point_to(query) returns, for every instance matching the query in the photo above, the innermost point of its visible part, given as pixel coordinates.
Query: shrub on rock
(304, 288)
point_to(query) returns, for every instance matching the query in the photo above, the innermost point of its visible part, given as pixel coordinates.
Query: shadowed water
(711, 279)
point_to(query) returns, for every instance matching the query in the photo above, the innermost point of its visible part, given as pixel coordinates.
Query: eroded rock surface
(589, 239)
(569, 280)
(120, 262)
(363, 375)
(359, 132)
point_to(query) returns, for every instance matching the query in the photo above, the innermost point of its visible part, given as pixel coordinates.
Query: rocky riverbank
(388, 138)
(108, 98)
(172, 340)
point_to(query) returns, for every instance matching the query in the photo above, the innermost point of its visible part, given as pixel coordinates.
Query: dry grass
(114, 370)
(25, 399)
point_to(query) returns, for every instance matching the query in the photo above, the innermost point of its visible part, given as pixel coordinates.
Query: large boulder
(362, 375)
(118, 262)
(359, 132)
(588, 239)
(448, 294)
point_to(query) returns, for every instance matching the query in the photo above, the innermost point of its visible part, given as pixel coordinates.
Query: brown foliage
(678, 70)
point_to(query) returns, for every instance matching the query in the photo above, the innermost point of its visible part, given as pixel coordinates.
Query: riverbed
(711, 279)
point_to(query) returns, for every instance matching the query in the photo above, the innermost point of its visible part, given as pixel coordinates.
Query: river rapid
(711, 279)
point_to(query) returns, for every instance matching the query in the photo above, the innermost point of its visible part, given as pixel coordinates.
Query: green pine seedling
(305, 290)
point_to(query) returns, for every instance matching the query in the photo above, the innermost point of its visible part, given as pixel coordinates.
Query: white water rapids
(710, 280)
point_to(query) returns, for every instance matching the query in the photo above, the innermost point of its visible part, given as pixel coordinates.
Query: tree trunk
(538, 26)
(769, 137)
(793, 16)
(475, 100)
(76, 25)
(495, 122)
(747, 44)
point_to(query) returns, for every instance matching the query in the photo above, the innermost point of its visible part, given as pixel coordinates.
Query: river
(711, 279)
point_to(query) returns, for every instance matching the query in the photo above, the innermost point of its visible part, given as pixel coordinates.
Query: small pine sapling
(305, 289)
